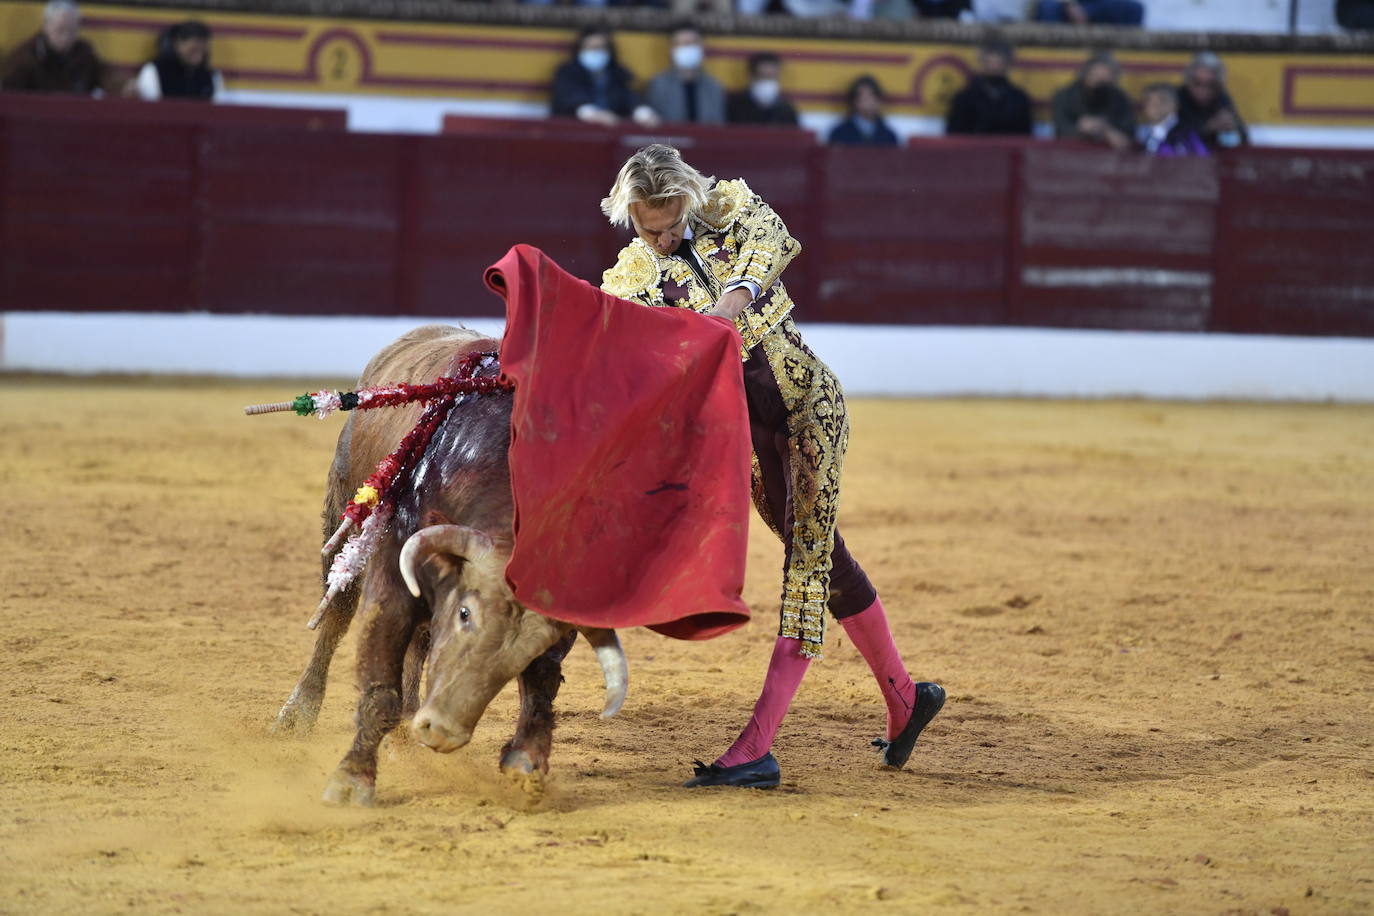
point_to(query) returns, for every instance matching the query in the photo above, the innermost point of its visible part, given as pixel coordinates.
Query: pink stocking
(869, 632)
(785, 671)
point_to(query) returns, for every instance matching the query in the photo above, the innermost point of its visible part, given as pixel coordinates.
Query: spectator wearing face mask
(686, 92)
(181, 69)
(1204, 106)
(865, 125)
(762, 102)
(1093, 107)
(1160, 133)
(990, 103)
(593, 87)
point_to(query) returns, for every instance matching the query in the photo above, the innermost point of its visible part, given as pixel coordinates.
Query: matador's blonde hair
(654, 176)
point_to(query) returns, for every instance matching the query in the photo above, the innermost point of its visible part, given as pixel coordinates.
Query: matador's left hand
(732, 303)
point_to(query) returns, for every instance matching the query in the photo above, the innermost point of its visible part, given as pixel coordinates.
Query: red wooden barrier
(97, 218)
(32, 106)
(1115, 240)
(913, 236)
(1295, 243)
(225, 213)
(473, 198)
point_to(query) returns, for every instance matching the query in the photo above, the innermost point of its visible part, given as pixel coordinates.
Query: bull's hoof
(297, 715)
(294, 720)
(520, 769)
(347, 788)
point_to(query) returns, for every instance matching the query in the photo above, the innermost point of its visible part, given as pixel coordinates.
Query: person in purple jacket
(1160, 133)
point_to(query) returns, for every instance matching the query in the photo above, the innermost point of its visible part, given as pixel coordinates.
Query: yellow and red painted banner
(516, 64)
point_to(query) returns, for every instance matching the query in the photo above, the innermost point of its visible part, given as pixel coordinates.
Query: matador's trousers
(800, 430)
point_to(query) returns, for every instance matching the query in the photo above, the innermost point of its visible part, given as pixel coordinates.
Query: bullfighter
(717, 248)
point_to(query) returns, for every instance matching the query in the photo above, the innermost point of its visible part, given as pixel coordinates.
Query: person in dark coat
(990, 103)
(181, 69)
(594, 87)
(1356, 15)
(1093, 107)
(865, 125)
(762, 102)
(1205, 108)
(1091, 12)
(57, 59)
(941, 9)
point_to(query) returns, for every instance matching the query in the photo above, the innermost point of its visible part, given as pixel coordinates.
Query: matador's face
(661, 228)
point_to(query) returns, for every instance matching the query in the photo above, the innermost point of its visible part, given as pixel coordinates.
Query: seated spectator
(577, 2)
(941, 9)
(1095, 12)
(998, 11)
(1204, 106)
(1356, 15)
(802, 9)
(865, 125)
(685, 8)
(57, 59)
(593, 87)
(686, 92)
(762, 102)
(990, 103)
(181, 69)
(903, 10)
(1161, 134)
(1094, 108)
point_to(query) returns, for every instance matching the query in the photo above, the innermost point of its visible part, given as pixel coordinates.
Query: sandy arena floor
(1154, 622)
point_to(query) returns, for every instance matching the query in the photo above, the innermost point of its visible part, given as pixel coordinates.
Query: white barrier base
(870, 359)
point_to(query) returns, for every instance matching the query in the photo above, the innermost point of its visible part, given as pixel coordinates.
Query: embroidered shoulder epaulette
(635, 273)
(725, 201)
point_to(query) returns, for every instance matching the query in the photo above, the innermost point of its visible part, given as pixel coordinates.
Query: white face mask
(688, 57)
(594, 58)
(765, 92)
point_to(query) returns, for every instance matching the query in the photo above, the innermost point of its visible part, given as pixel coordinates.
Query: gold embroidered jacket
(737, 237)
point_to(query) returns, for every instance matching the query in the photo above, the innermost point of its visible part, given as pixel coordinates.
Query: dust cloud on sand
(1153, 621)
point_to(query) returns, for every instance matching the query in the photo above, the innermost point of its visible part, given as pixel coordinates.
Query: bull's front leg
(414, 669)
(525, 758)
(381, 661)
(302, 708)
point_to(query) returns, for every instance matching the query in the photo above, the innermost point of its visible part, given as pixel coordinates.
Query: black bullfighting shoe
(756, 774)
(929, 700)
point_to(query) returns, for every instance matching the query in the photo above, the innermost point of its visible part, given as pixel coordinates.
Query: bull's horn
(458, 540)
(613, 666)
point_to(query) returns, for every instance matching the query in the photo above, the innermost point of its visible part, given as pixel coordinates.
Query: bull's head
(481, 637)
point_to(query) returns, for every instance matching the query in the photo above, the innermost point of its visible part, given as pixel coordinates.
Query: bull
(434, 594)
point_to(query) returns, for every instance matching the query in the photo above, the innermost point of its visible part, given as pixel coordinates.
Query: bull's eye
(464, 614)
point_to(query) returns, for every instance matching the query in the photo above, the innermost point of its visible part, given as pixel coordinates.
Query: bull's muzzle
(437, 734)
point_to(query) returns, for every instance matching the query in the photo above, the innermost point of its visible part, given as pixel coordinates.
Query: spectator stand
(402, 64)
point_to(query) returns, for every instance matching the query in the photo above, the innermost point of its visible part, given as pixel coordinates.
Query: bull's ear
(462, 543)
(613, 667)
(435, 517)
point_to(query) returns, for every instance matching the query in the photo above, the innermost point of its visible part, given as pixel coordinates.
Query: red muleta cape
(629, 456)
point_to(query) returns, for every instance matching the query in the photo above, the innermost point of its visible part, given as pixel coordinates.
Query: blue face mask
(688, 57)
(594, 59)
(1228, 138)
